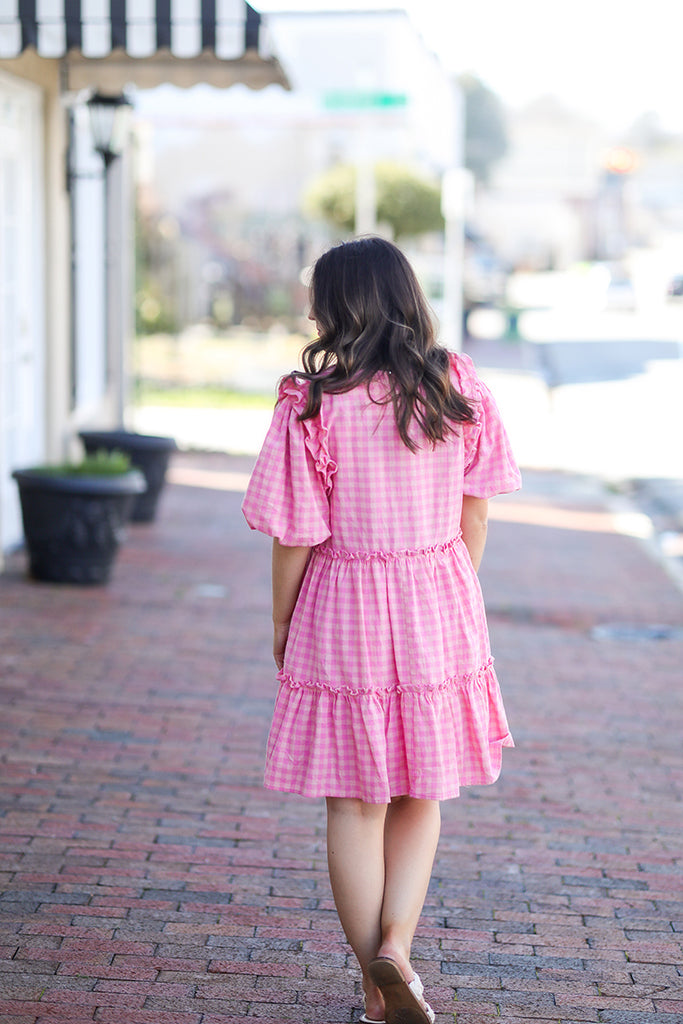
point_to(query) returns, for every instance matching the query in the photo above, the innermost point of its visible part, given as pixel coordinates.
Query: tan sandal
(403, 1000)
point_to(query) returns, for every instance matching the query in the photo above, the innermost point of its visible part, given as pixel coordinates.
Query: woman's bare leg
(355, 855)
(411, 835)
(380, 860)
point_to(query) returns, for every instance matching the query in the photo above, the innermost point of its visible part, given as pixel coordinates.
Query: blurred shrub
(407, 201)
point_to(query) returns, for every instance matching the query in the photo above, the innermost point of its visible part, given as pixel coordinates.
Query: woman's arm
(473, 523)
(289, 566)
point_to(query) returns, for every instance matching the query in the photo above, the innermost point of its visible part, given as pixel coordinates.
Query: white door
(22, 336)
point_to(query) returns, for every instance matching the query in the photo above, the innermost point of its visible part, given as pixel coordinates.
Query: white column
(120, 281)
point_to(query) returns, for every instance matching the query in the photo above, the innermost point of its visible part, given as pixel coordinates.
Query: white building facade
(62, 357)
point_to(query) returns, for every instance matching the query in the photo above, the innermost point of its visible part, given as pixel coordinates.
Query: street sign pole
(366, 104)
(365, 222)
(456, 193)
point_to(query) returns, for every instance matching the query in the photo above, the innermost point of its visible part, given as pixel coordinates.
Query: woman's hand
(280, 634)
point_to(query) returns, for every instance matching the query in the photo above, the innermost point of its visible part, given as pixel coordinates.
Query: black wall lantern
(108, 124)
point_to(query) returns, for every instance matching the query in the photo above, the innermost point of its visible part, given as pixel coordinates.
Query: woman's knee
(409, 808)
(414, 802)
(342, 806)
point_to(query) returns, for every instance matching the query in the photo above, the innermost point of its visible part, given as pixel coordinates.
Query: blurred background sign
(359, 100)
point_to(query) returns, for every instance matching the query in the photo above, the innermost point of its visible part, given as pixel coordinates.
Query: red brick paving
(147, 876)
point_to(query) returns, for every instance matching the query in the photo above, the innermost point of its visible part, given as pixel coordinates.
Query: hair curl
(372, 316)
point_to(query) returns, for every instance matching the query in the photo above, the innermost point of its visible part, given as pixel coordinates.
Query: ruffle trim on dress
(316, 433)
(388, 556)
(461, 682)
(423, 744)
(469, 385)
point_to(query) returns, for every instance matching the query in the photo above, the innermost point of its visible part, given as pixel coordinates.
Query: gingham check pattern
(388, 685)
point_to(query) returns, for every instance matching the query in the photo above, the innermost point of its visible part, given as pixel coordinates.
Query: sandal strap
(417, 988)
(368, 1020)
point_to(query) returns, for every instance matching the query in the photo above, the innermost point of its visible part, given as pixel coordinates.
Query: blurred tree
(409, 203)
(486, 138)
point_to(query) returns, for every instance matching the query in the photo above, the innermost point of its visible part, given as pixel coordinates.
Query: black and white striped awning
(108, 44)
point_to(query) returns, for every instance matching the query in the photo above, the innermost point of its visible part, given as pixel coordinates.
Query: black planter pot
(148, 453)
(73, 525)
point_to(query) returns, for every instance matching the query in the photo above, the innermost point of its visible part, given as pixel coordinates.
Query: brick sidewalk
(147, 877)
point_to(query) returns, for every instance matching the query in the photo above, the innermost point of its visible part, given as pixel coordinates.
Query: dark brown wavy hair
(372, 316)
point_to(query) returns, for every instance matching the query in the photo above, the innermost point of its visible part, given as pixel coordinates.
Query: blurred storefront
(62, 345)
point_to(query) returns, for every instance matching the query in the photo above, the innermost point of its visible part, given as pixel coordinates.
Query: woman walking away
(373, 481)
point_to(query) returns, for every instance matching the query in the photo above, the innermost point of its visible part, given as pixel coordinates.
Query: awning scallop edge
(115, 44)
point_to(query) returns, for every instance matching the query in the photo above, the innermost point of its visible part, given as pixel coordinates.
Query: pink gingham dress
(388, 686)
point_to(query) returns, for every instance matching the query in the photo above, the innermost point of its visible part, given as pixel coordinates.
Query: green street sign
(351, 100)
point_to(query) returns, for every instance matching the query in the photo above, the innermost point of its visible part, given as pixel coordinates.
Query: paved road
(609, 408)
(148, 879)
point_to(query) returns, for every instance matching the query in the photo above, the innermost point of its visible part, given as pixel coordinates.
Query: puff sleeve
(490, 466)
(288, 493)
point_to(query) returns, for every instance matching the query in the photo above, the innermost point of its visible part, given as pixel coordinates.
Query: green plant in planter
(100, 463)
(148, 453)
(74, 515)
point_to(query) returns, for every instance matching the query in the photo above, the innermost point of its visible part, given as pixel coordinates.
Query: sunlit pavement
(149, 879)
(600, 394)
(592, 393)
(584, 391)
(618, 430)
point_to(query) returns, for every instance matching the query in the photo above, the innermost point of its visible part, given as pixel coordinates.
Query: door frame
(22, 366)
